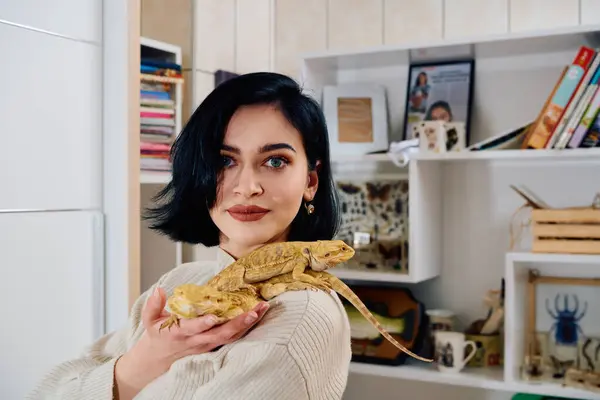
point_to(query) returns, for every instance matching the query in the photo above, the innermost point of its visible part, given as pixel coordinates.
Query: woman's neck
(237, 249)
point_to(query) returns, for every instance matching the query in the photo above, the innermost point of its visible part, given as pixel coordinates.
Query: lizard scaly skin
(237, 279)
(190, 301)
(280, 258)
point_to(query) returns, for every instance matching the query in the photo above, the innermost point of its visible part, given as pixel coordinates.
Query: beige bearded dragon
(279, 258)
(268, 261)
(190, 300)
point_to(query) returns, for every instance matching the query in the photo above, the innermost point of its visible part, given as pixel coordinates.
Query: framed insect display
(562, 331)
(375, 221)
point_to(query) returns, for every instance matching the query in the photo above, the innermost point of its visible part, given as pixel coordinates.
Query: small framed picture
(356, 116)
(439, 91)
(440, 137)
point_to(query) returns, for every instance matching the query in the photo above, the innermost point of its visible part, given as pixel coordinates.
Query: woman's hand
(154, 353)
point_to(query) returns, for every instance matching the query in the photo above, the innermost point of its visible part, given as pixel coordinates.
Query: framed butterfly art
(378, 210)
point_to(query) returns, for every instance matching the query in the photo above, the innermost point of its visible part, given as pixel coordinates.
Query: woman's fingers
(190, 327)
(230, 330)
(153, 309)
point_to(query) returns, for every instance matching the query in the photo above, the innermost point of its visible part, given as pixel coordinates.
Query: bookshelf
(158, 253)
(460, 204)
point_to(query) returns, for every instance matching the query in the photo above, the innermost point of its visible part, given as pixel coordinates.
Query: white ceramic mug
(450, 351)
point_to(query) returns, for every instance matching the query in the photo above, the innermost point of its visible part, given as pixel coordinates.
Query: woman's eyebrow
(263, 149)
(276, 146)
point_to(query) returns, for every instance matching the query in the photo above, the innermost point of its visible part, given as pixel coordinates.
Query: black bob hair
(197, 163)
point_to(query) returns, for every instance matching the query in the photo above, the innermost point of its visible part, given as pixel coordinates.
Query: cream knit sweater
(299, 350)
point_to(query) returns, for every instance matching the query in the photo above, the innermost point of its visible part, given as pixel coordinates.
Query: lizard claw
(172, 320)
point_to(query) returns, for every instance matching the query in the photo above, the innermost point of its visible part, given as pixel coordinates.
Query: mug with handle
(450, 351)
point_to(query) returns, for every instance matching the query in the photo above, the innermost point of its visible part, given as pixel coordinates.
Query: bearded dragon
(236, 281)
(279, 258)
(190, 301)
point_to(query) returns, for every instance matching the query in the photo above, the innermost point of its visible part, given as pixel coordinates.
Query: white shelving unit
(460, 204)
(171, 53)
(158, 253)
(555, 265)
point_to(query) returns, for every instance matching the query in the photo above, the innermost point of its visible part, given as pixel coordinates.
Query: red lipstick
(247, 213)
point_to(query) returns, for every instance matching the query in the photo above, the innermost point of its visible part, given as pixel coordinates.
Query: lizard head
(327, 253)
(189, 300)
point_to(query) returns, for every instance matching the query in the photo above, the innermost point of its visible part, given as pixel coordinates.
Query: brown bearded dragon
(237, 280)
(190, 300)
(280, 258)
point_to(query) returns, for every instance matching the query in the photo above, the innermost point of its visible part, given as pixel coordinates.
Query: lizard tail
(341, 288)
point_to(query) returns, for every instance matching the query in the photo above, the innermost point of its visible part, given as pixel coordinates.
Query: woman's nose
(248, 182)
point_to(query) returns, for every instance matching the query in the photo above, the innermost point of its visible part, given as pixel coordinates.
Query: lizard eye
(327, 254)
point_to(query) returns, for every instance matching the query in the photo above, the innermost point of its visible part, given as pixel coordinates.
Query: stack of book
(570, 117)
(157, 113)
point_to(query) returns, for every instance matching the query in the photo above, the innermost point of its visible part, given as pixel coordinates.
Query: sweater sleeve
(91, 375)
(310, 364)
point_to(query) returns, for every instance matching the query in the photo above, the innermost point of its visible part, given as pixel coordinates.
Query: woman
(250, 167)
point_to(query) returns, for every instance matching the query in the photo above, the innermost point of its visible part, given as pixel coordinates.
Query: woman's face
(264, 181)
(440, 114)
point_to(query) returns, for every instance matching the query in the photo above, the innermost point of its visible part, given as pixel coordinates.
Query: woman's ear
(313, 183)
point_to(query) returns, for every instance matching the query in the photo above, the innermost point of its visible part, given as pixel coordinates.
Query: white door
(51, 285)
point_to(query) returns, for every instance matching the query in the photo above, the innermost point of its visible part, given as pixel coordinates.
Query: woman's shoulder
(296, 317)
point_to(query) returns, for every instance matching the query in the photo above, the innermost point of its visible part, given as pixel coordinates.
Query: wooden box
(567, 230)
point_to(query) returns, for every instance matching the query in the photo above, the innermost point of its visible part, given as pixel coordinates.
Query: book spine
(551, 119)
(581, 84)
(586, 121)
(578, 104)
(539, 120)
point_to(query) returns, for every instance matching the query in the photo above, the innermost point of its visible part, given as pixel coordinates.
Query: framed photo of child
(439, 91)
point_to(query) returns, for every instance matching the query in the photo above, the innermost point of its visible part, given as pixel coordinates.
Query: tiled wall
(245, 36)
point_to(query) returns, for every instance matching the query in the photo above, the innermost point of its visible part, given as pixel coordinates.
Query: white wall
(51, 224)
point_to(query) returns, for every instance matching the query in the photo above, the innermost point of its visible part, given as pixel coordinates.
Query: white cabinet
(50, 121)
(76, 19)
(532, 15)
(254, 25)
(52, 290)
(354, 24)
(475, 18)
(407, 21)
(300, 27)
(214, 35)
(590, 12)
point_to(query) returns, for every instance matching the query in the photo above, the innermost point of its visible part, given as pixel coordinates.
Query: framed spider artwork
(563, 330)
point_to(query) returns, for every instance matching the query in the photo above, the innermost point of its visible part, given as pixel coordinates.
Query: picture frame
(357, 118)
(561, 354)
(446, 94)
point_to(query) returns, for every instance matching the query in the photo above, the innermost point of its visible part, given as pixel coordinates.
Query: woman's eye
(276, 162)
(227, 161)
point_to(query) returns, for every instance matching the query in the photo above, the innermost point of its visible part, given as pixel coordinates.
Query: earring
(309, 208)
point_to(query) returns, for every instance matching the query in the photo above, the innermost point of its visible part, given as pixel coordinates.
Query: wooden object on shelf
(567, 230)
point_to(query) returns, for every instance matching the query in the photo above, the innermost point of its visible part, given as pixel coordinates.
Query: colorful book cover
(552, 115)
